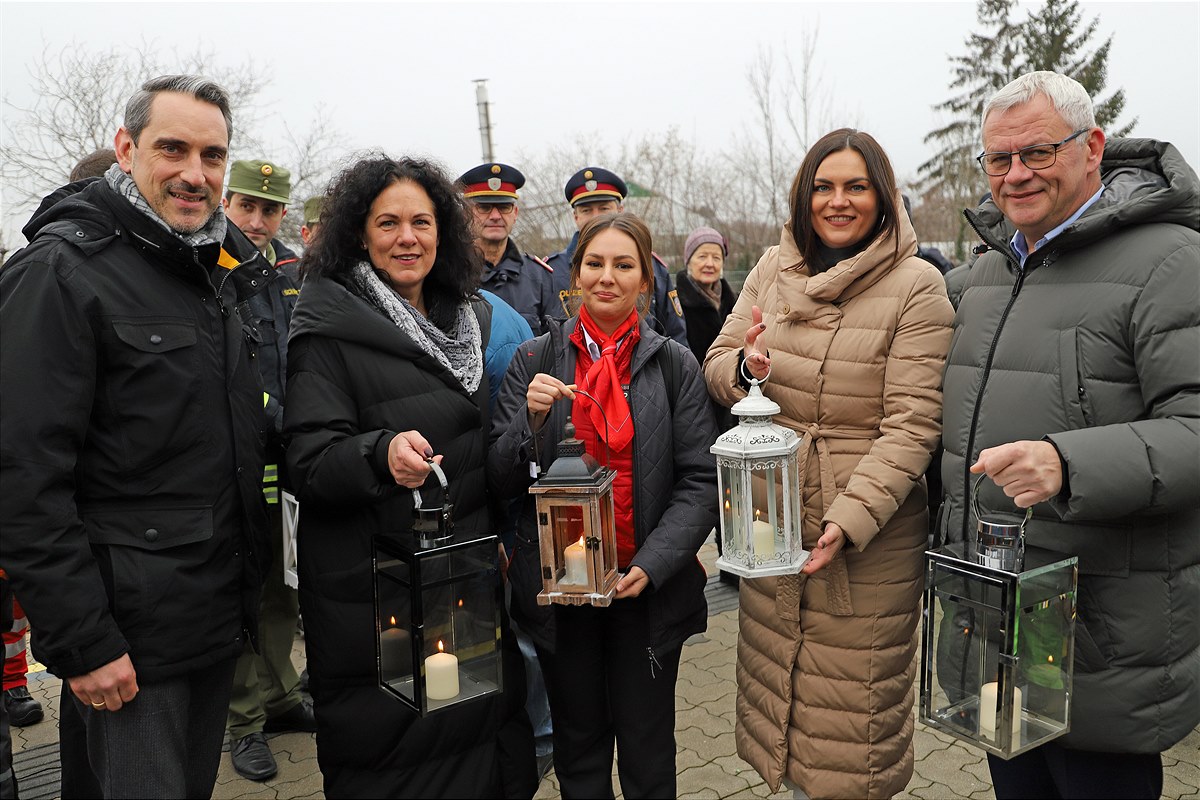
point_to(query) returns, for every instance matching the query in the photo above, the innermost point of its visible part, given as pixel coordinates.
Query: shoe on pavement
(297, 718)
(252, 758)
(21, 707)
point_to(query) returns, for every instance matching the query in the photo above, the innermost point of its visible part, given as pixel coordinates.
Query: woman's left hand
(828, 546)
(632, 583)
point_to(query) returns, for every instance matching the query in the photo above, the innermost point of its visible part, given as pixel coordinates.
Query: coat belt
(837, 579)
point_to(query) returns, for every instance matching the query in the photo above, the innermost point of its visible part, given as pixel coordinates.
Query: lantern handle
(753, 381)
(596, 403)
(441, 476)
(975, 503)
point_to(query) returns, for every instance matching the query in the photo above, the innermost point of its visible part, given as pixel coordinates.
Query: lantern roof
(573, 465)
(756, 435)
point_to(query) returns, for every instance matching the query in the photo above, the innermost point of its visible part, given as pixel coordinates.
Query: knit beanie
(702, 236)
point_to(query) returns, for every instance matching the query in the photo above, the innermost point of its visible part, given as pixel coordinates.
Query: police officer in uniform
(520, 280)
(266, 688)
(591, 192)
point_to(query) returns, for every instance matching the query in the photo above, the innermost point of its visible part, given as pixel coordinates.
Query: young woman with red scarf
(610, 672)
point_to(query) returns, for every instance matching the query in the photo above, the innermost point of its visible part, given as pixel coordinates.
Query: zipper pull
(653, 662)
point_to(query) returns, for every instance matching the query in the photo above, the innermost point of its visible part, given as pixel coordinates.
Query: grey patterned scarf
(460, 351)
(124, 185)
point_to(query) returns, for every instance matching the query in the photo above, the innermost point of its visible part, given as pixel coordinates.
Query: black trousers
(1055, 772)
(166, 742)
(604, 687)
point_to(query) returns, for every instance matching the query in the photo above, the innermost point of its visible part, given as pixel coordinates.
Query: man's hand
(407, 455)
(828, 546)
(1028, 472)
(107, 688)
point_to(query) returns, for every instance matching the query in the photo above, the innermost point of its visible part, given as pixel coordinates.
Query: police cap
(593, 185)
(492, 183)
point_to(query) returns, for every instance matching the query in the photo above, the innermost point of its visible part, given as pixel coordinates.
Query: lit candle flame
(1050, 659)
(460, 603)
(757, 514)
(726, 505)
(440, 648)
(392, 620)
(581, 541)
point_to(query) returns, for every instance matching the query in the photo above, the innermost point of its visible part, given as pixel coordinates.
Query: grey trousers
(165, 743)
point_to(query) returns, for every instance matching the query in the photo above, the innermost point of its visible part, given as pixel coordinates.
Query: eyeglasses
(485, 209)
(1036, 156)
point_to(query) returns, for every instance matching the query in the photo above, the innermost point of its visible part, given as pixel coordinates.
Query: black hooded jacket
(130, 440)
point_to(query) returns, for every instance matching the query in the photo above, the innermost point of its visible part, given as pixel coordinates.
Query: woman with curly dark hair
(386, 374)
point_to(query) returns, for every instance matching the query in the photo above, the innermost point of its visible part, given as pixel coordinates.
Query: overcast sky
(398, 76)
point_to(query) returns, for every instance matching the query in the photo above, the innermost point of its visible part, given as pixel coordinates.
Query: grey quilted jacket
(675, 483)
(1095, 347)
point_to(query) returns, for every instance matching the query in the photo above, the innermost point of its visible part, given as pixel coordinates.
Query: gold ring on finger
(101, 704)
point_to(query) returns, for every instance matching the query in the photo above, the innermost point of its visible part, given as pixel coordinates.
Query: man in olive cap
(266, 688)
(313, 207)
(593, 191)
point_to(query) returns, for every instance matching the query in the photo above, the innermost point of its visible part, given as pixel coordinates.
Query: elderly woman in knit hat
(706, 297)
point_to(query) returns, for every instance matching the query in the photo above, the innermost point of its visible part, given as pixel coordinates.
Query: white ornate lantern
(758, 477)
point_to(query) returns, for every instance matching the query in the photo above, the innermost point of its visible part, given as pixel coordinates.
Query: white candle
(576, 557)
(441, 675)
(764, 537)
(987, 712)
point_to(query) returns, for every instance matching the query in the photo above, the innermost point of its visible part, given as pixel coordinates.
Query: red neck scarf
(603, 378)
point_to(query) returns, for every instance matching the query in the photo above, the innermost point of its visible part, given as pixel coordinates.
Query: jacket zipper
(653, 662)
(987, 368)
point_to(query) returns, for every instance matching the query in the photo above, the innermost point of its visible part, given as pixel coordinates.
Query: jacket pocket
(1074, 394)
(156, 566)
(152, 382)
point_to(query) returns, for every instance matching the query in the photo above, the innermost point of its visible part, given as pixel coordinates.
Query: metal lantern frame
(576, 522)
(438, 599)
(759, 453)
(998, 645)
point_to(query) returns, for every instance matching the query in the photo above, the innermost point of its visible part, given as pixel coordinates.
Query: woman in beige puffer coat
(854, 329)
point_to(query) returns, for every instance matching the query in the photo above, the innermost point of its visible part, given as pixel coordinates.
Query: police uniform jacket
(130, 441)
(524, 284)
(1093, 346)
(666, 315)
(270, 314)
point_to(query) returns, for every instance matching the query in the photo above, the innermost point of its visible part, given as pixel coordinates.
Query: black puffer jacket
(1094, 346)
(675, 483)
(130, 441)
(354, 382)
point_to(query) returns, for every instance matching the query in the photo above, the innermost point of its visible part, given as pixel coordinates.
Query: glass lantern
(437, 611)
(999, 640)
(758, 477)
(576, 527)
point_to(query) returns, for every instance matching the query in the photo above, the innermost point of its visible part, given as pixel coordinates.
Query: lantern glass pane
(569, 532)
(460, 636)
(608, 543)
(395, 629)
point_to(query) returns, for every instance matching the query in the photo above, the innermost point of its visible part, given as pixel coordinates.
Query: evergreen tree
(1054, 40)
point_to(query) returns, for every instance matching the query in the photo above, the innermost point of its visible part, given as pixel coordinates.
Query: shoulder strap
(672, 370)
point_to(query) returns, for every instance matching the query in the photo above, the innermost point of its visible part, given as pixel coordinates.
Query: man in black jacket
(131, 448)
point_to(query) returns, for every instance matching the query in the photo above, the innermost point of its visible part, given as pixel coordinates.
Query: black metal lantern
(999, 639)
(576, 527)
(437, 610)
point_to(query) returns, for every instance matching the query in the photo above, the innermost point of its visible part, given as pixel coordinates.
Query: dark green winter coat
(1095, 347)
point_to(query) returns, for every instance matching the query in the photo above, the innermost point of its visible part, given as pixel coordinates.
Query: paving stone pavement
(707, 759)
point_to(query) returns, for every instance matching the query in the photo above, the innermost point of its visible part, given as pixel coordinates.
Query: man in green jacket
(1073, 385)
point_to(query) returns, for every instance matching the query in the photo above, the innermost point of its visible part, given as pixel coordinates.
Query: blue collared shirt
(1018, 243)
